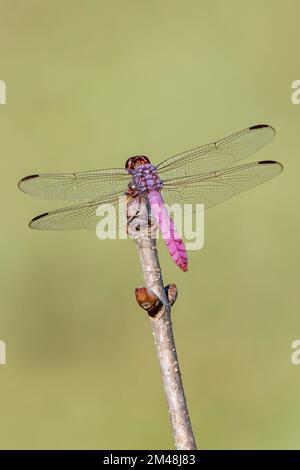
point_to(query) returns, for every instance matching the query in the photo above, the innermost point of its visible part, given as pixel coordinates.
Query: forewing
(217, 155)
(84, 186)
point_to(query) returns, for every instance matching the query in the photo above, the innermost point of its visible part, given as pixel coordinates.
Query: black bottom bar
(132, 459)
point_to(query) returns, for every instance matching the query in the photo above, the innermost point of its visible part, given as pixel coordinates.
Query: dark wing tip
(267, 162)
(37, 218)
(271, 162)
(26, 178)
(29, 177)
(259, 126)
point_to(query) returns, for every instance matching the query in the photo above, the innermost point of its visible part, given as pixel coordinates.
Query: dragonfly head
(134, 162)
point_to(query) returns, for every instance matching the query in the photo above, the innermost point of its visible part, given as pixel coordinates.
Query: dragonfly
(205, 175)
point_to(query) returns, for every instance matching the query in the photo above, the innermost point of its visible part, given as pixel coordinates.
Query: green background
(89, 84)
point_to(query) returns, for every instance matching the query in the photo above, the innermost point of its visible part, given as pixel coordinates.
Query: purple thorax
(145, 178)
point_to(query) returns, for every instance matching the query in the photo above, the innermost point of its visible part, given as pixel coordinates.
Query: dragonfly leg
(135, 216)
(133, 212)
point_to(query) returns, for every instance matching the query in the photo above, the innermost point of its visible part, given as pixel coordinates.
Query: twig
(156, 300)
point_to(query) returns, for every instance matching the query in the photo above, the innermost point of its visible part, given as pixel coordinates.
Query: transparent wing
(215, 187)
(209, 189)
(84, 216)
(84, 186)
(217, 155)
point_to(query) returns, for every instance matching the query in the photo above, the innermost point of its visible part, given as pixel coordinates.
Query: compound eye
(135, 162)
(129, 165)
(144, 160)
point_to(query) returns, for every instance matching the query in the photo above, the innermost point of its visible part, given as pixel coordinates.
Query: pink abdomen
(170, 235)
